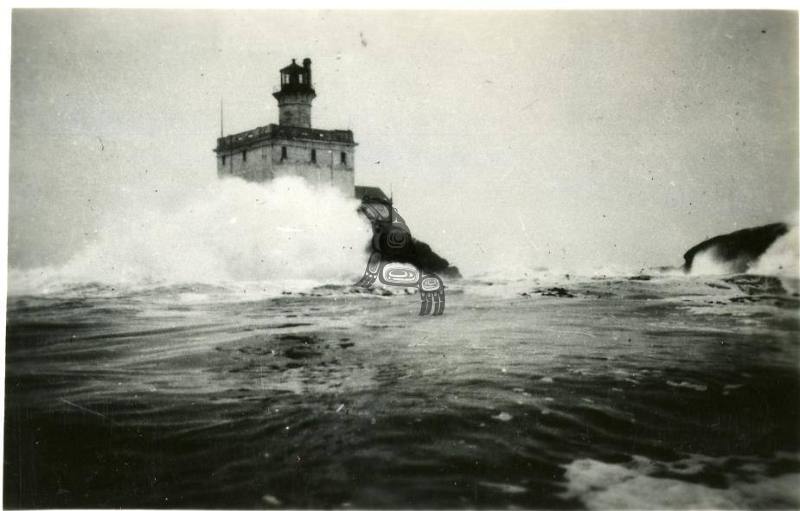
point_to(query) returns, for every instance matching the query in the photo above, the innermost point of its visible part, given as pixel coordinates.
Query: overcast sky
(561, 139)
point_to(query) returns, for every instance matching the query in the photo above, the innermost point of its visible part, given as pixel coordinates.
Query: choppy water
(668, 392)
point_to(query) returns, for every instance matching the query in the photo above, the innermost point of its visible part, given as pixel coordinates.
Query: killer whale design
(392, 250)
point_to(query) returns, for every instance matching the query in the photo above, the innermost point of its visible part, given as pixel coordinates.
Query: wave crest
(780, 259)
(233, 230)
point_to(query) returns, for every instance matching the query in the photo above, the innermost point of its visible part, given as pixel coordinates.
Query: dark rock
(421, 255)
(451, 272)
(757, 284)
(640, 277)
(424, 258)
(599, 294)
(739, 249)
(393, 239)
(664, 269)
(556, 291)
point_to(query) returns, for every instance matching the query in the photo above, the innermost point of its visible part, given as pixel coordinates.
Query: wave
(780, 259)
(648, 484)
(232, 231)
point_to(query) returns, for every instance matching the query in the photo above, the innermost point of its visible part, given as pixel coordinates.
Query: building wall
(257, 166)
(265, 162)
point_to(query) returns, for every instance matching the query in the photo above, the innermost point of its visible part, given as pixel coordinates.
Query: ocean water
(665, 391)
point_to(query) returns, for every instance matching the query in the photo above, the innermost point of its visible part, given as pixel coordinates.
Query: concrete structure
(291, 147)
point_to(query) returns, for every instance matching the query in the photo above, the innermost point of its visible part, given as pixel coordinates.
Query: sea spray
(231, 231)
(769, 250)
(781, 258)
(709, 263)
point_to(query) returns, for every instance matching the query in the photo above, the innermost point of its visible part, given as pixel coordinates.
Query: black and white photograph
(309, 258)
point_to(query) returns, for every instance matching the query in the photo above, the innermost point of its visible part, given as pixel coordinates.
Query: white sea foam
(510, 489)
(231, 231)
(781, 258)
(685, 384)
(632, 485)
(708, 263)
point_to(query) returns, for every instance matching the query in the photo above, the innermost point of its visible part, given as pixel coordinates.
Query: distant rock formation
(738, 250)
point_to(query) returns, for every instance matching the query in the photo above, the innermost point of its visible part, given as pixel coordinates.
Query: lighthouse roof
(294, 66)
(278, 133)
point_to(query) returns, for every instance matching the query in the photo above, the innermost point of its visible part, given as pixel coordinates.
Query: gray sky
(562, 139)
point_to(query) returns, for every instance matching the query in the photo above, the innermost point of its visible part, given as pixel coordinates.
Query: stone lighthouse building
(291, 147)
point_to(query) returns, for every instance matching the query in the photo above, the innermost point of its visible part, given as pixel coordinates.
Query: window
(244, 155)
(283, 153)
(300, 78)
(223, 159)
(313, 156)
(343, 157)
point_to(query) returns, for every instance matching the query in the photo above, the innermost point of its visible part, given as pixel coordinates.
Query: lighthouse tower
(296, 95)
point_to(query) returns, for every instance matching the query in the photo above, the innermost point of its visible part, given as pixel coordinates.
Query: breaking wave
(780, 260)
(709, 263)
(232, 231)
(648, 484)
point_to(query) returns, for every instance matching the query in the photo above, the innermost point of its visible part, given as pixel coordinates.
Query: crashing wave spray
(781, 258)
(709, 263)
(752, 250)
(283, 230)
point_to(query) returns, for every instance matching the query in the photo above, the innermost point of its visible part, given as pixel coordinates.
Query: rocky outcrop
(757, 284)
(423, 257)
(393, 240)
(738, 249)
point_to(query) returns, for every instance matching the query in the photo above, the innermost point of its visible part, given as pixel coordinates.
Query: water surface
(570, 393)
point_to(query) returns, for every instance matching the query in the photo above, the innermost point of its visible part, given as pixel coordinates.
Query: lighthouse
(291, 147)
